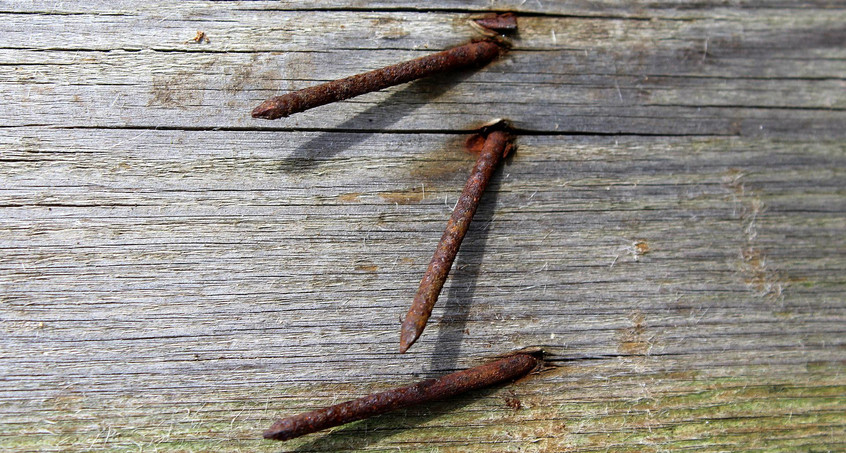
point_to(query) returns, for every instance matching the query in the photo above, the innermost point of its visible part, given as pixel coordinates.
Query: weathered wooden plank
(637, 9)
(680, 409)
(292, 31)
(245, 266)
(174, 275)
(775, 73)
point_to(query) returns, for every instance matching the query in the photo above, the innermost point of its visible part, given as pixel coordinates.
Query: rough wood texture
(175, 275)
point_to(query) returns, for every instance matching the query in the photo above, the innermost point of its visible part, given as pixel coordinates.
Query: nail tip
(266, 111)
(404, 344)
(258, 112)
(408, 336)
(277, 434)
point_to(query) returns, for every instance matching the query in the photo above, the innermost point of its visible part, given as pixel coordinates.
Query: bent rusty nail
(473, 54)
(486, 375)
(496, 146)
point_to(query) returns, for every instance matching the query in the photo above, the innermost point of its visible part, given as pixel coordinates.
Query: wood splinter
(497, 145)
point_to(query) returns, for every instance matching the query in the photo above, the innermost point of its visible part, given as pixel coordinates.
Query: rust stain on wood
(633, 340)
(409, 196)
(350, 197)
(367, 267)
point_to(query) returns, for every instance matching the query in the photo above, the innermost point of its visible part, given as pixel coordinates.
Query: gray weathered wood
(174, 275)
(758, 72)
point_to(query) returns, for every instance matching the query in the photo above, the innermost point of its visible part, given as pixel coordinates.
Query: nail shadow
(377, 118)
(464, 276)
(361, 434)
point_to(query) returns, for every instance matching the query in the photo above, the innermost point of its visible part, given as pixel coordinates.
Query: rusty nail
(496, 146)
(473, 54)
(486, 375)
(501, 23)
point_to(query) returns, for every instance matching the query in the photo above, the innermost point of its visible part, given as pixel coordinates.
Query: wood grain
(175, 275)
(758, 72)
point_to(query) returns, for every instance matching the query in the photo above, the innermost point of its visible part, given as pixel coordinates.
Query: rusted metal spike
(496, 146)
(468, 55)
(486, 375)
(501, 23)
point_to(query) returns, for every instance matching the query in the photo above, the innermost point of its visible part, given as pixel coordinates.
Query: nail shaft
(495, 147)
(486, 375)
(473, 54)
